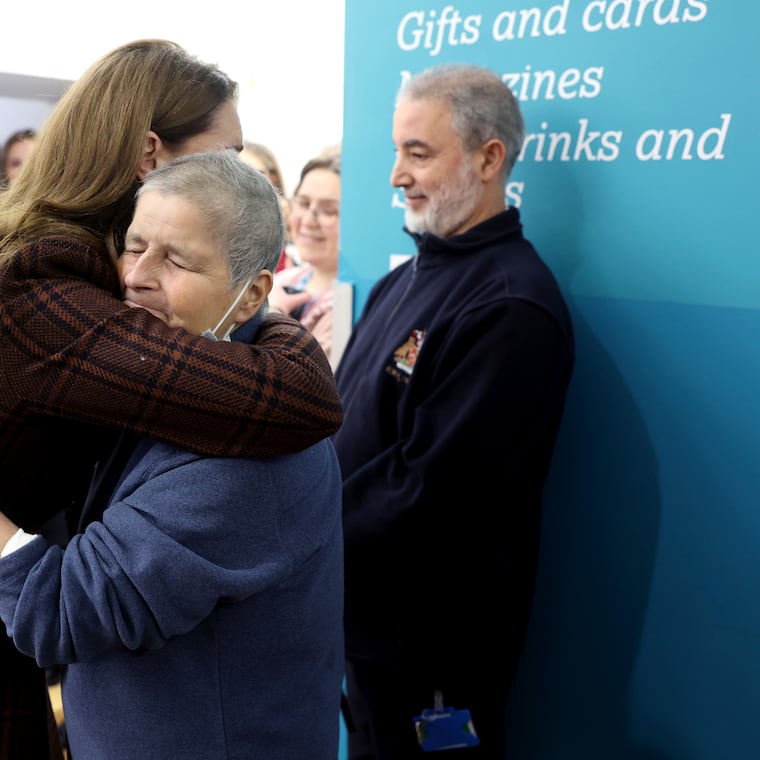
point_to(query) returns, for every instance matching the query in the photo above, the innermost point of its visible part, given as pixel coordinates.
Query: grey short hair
(482, 106)
(238, 202)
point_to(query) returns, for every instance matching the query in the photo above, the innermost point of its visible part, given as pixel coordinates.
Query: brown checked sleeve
(69, 348)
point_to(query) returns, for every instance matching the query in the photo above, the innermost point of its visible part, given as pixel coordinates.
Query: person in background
(78, 366)
(180, 602)
(306, 291)
(453, 385)
(261, 157)
(17, 149)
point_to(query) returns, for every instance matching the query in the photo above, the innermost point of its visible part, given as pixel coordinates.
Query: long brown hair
(82, 176)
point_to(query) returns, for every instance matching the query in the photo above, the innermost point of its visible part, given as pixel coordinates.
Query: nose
(313, 211)
(399, 176)
(141, 271)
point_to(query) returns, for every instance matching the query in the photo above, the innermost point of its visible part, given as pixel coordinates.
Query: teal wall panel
(645, 638)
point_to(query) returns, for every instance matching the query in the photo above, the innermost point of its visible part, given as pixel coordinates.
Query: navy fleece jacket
(453, 385)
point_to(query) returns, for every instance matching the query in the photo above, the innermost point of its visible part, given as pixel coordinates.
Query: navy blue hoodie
(453, 385)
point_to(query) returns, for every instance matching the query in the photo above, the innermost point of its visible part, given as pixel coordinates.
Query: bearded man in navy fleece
(453, 385)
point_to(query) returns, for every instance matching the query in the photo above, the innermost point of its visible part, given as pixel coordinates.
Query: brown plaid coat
(76, 365)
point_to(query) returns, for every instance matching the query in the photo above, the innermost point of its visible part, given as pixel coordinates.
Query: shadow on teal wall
(644, 638)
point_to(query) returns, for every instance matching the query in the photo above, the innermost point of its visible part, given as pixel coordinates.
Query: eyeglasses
(326, 213)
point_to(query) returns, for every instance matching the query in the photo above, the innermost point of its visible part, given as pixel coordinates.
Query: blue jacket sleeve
(165, 554)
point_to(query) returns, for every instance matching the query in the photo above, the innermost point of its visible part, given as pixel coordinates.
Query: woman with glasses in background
(306, 291)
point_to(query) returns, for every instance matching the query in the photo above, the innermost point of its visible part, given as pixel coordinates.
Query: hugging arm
(70, 348)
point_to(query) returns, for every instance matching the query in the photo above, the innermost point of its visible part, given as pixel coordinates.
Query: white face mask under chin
(209, 333)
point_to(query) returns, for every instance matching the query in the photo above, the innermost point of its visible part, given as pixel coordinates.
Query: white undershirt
(16, 541)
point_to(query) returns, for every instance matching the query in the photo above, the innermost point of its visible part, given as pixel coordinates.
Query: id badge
(442, 727)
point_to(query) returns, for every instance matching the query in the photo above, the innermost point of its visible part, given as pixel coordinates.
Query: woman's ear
(151, 152)
(255, 297)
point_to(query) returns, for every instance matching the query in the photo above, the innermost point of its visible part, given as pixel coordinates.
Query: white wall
(287, 56)
(26, 101)
(17, 113)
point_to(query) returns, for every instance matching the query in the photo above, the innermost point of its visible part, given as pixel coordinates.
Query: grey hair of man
(482, 106)
(238, 202)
